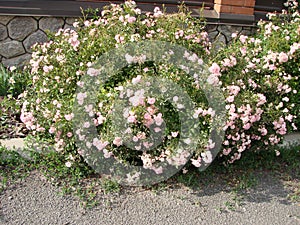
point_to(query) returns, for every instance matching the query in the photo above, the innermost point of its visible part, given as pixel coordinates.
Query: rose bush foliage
(258, 76)
(58, 66)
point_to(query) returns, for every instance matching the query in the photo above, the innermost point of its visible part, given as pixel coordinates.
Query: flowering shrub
(258, 76)
(58, 66)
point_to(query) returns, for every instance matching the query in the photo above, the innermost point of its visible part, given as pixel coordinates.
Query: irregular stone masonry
(19, 33)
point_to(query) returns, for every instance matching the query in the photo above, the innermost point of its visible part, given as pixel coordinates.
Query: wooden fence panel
(262, 7)
(68, 8)
(269, 6)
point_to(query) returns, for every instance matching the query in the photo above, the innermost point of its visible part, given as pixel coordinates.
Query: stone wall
(221, 34)
(19, 33)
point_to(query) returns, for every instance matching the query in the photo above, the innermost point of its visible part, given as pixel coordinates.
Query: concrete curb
(292, 139)
(16, 144)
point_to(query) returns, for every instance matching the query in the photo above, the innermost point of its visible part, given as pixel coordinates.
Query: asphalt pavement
(35, 201)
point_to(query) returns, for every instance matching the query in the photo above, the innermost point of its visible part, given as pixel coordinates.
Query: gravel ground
(35, 201)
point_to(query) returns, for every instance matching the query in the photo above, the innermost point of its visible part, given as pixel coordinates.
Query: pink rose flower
(283, 57)
(118, 141)
(131, 19)
(151, 101)
(215, 69)
(131, 119)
